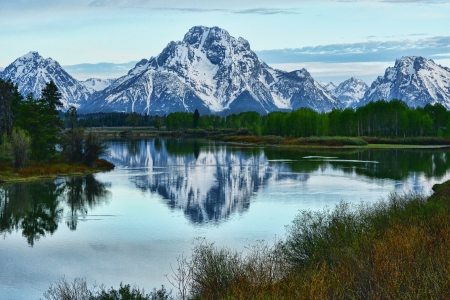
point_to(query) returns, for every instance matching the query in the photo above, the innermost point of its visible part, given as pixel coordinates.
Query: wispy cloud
(414, 1)
(193, 9)
(371, 51)
(267, 11)
(99, 70)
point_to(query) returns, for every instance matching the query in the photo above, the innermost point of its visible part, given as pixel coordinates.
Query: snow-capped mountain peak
(31, 72)
(351, 92)
(214, 72)
(329, 86)
(415, 80)
(95, 84)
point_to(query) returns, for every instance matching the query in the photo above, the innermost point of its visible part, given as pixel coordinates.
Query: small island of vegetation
(36, 142)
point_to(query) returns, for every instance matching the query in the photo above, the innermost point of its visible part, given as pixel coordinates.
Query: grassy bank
(243, 136)
(395, 249)
(51, 169)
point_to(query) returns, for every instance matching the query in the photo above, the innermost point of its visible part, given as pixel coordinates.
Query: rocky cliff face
(95, 84)
(214, 72)
(31, 72)
(351, 92)
(413, 79)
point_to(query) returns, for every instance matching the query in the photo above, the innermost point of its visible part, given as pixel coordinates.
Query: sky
(333, 39)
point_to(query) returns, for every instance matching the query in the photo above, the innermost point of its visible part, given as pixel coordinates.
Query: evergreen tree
(50, 103)
(72, 139)
(9, 102)
(196, 118)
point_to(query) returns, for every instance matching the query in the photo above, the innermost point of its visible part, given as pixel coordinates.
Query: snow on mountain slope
(31, 72)
(95, 84)
(351, 92)
(413, 79)
(214, 72)
(328, 86)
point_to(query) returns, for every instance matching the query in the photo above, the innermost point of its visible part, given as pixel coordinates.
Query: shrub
(94, 147)
(78, 290)
(20, 147)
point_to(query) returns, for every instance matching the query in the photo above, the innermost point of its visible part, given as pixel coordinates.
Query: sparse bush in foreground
(78, 290)
(395, 249)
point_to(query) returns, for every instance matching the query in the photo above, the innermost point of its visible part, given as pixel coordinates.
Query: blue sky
(334, 40)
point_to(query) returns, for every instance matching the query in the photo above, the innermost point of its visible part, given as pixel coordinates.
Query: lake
(129, 225)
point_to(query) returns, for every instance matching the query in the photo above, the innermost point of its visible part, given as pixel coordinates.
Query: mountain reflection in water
(209, 181)
(37, 208)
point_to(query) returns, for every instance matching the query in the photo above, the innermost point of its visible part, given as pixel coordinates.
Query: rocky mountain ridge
(95, 84)
(31, 72)
(213, 72)
(416, 80)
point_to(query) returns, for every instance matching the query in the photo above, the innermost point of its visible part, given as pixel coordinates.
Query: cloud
(99, 70)
(371, 51)
(338, 72)
(152, 6)
(415, 1)
(267, 11)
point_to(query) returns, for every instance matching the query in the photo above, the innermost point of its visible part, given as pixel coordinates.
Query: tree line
(376, 119)
(32, 127)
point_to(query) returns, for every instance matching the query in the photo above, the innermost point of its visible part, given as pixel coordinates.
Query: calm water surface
(131, 224)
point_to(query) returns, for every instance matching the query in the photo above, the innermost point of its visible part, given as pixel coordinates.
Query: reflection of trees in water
(81, 193)
(32, 208)
(209, 181)
(37, 208)
(396, 164)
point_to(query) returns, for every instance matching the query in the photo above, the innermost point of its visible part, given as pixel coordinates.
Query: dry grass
(395, 249)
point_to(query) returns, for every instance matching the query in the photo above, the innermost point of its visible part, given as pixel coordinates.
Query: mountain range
(213, 72)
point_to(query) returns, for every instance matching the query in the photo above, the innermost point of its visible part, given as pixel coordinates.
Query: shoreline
(261, 141)
(53, 170)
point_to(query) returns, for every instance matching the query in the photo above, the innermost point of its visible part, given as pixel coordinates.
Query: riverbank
(50, 170)
(243, 137)
(398, 248)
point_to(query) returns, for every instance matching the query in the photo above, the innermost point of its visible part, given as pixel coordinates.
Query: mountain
(328, 86)
(95, 84)
(31, 72)
(211, 71)
(413, 79)
(351, 92)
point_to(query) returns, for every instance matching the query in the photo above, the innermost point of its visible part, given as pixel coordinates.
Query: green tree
(20, 147)
(9, 102)
(72, 138)
(196, 118)
(94, 147)
(133, 119)
(53, 125)
(40, 117)
(157, 122)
